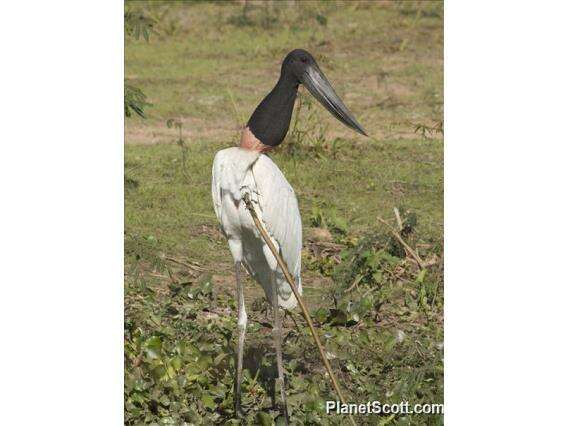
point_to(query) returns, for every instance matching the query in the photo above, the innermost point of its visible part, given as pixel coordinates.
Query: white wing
(217, 176)
(279, 212)
(236, 171)
(230, 167)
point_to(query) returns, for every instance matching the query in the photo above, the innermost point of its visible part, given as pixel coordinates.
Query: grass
(207, 65)
(379, 56)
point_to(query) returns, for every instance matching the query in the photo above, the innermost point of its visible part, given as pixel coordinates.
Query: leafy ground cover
(203, 70)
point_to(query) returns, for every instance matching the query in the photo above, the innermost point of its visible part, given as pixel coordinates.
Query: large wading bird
(248, 170)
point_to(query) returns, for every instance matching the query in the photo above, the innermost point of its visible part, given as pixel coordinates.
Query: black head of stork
(270, 121)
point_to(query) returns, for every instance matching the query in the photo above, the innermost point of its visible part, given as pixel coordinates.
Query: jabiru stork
(246, 169)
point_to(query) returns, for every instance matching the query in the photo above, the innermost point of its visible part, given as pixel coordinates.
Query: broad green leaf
(208, 401)
(264, 419)
(176, 362)
(421, 275)
(153, 347)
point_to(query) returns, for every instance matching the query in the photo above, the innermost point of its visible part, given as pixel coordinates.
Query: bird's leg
(277, 330)
(242, 326)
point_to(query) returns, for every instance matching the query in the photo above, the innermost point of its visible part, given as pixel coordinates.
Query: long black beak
(321, 89)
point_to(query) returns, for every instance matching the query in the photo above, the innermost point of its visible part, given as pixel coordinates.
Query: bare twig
(408, 249)
(152, 274)
(303, 308)
(357, 280)
(398, 220)
(187, 265)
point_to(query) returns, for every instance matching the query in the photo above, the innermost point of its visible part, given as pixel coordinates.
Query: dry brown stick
(187, 265)
(355, 282)
(303, 308)
(406, 246)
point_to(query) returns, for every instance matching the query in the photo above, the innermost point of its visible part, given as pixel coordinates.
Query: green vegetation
(203, 70)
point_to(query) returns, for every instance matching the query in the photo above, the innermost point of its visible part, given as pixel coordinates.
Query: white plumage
(235, 172)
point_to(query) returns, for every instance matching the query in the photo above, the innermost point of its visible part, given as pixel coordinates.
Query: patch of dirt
(211, 231)
(139, 132)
